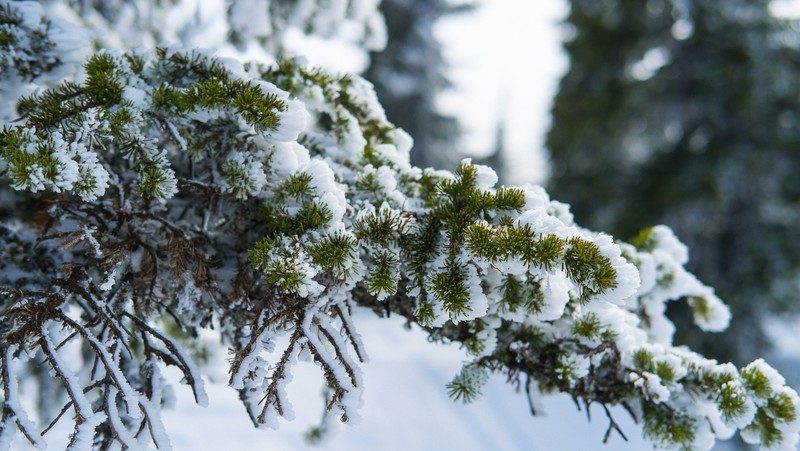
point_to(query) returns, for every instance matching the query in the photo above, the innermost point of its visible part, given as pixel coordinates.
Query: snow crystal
(177, 136)
(714, 315)
(651, 386)
(573, 367)
(93, 177)
(244, 176)
(88, 235)
(624, 324)
(478, 302)
(124, 435)
(84, 434)
(742, 420)
(137, 97)
(402, 140)
(287, 158)
(561, 211)
(644, 263)
(111, 278)
(9, 429)
(363, 93)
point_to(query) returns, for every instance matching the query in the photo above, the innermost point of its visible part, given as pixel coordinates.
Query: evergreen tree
(160, 192)
(683, 113)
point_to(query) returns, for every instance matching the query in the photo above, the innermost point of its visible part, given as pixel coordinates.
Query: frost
(292, 121)
(774, 379)
(111, 278)
(88, 235)
(12, 405)
(288, 158)
(573, 367)
(330, 193)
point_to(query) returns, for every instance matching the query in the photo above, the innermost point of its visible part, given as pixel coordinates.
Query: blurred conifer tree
(409, 74)
(684, 112)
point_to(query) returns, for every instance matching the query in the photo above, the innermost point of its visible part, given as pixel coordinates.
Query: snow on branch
(169, 191)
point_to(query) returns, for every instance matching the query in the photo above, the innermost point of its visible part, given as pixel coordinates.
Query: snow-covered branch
(168, 191)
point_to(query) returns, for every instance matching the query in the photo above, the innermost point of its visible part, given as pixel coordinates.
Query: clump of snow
(555, 289)
(627, 277)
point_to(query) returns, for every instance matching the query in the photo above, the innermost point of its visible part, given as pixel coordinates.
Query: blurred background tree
(684, 112)
(410, 73)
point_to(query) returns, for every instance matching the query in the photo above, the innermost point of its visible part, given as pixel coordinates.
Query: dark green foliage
(782, 407)
(584, 263)
(450, 287)
(546, 251)
(468, 384)
(381, 228)
(335, 252)
(257, 108)
(757, 382)
(587, 326)
(732, 402)
(312, 215)
(103, 85)
(383, 277)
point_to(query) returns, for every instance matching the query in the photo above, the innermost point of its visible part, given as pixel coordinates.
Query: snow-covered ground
(406, 407)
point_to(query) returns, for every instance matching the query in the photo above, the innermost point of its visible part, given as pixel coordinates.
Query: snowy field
(406, 407)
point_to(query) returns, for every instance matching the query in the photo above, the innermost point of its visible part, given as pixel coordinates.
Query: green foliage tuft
(468, 384)
(450, 287)
(782, 407)
(765, 428)
(584, 264)
(336, 252)
(381, 281)
(587, 326)
(756, 381)
(663, 424)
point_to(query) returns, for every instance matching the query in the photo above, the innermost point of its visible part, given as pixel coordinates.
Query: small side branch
(612, 426)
